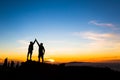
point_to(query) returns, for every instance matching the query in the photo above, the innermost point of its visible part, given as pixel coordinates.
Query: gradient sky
(71, 30)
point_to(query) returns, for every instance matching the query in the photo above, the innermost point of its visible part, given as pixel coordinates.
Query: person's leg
(27, 56)
(31, 55)
(42, 58)
(38, 57)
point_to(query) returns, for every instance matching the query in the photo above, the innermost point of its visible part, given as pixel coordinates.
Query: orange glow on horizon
(65, 57)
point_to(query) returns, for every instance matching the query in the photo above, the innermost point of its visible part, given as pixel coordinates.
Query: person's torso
(31, 47)
(41, 48)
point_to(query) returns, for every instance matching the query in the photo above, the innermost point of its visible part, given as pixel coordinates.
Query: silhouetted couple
(41, 51)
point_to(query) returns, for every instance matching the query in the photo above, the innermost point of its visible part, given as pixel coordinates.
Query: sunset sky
(70, 30)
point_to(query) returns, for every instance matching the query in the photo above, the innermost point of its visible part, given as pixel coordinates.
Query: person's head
(41, 44)
(31, 42)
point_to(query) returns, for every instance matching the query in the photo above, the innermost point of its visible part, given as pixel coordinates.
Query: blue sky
(57, 22)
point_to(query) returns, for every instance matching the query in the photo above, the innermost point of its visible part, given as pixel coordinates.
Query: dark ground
(31, 70)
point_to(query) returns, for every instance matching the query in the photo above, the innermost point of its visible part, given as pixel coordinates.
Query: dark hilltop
(32, 70)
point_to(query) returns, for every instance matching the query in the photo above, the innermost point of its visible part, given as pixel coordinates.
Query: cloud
(110, 25)
(23, 42)
(55, 41)
(101, 40)
(93, 36)
(101, 24)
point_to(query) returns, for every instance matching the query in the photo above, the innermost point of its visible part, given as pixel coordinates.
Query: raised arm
(34, 42)
(37, 42)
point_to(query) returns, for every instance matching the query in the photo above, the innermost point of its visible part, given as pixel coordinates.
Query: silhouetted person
(41, 51)
(17, 65)
(12, 64)
(5, 64)
(30, 50)
(8, 64)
